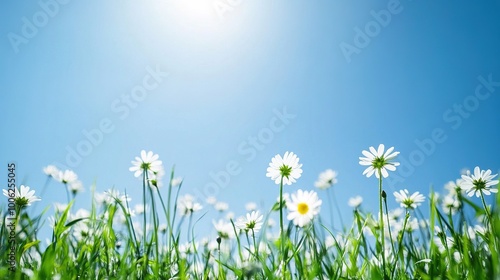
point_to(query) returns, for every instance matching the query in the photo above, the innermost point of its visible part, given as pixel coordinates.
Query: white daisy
(409, 201)
(454, 187)
(224, 229)
(252, 221)
(147, 162)
(479, 182)
(286, 167)
(450, 204)
(355, 202)
(378, 160)
(221, 206)
(51, 171)
(303, 206)
(326, 179)
(251, 206)
(22, 197)
(66, 176)
(187, 205)
(76, 187)
(176, 181)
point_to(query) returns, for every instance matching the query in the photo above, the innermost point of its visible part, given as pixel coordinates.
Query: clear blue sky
(350, 74)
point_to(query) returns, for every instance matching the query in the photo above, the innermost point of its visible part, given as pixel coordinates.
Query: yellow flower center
(303, 208)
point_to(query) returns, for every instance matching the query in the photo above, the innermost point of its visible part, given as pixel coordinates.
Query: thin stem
(389, 226)
(489, 219)
(67, 192)
(381, 218)
(283, 267)
(144, 208)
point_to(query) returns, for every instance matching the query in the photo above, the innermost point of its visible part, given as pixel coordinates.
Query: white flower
(23, 197)
(252, 221)
(286, 168)
(147, 162)
(66, 176)
(60, 208)
(251, 206)
(454, 188)
(303, 206)
(378, 160)
(224, 229)
(407, 201)
(450, 204)
(355, 202)
(156, 178)
(326, 179)
(176, 181)
(187, 205)
(51, 170)
(221, 206)
(479, 182)
(76, 187)
(211, 200)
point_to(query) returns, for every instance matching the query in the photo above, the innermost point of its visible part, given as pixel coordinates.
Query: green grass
(107, 243)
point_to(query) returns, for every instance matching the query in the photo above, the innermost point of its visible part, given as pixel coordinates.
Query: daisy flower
(187, 205)
(326, 179)
(355, 202)
(221, 206)
(379, 160)
(286, 167)
(66, 176)
(450, 204)
(479, 182)
(224, 229)
(251, 206)
(454, 187)
(51, 171)
(147, 162)
(303, 206)
(409, 201)
(76, 187)
(23, 196)
(252, 221)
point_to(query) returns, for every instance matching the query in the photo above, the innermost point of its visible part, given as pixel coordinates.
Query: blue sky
(417, 75)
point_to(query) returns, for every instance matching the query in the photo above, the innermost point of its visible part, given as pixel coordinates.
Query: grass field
(459, 239)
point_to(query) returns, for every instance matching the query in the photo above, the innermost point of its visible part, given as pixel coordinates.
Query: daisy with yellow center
(303, 206)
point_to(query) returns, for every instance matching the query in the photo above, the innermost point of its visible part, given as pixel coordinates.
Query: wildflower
(156, 178)
(377, 160)
(22, 197)
(230, 215)
(251, 206)
(326, 179)
(252, 221)
(303, 206)
(51, 171)
(211, 200)
(454, 187)
(66, 176)
(450, 204)
(177, 181)
(286, 168)
(76, 187)
(407, 201)
(479, 182)
(355, 202)
(224, 229)
(221, 206)
(187, 205)
(147, 162)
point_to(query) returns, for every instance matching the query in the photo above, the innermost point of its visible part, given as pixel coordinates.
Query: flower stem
(381, 219)
(282, 234)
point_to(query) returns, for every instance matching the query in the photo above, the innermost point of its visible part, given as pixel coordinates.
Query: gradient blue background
(226, 76)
